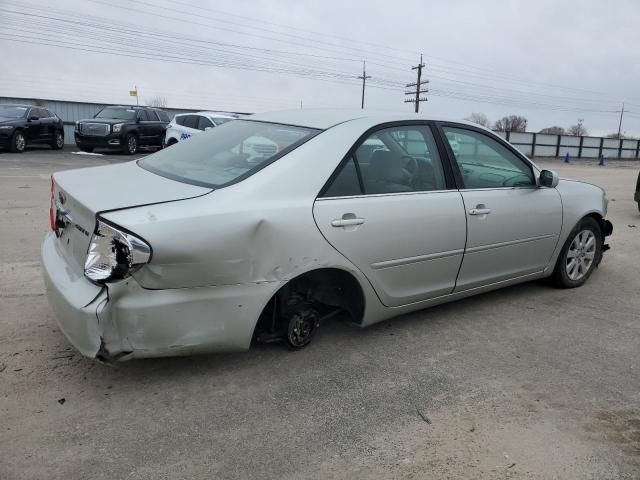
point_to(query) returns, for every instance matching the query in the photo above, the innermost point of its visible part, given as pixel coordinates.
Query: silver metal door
(511, 232)
(409, 245)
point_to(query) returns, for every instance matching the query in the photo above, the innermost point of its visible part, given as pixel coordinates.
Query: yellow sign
(133, 93)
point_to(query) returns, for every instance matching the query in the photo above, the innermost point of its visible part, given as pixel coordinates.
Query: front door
(513, 225)
(391, 209)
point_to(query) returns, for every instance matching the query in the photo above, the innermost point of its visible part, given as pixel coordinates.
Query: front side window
(226, 154)
(190, 121)
(117, 113)
(392, 160)
(204, 122)
(486, 163)
(142, 116)
(153, 116)
(164, 117)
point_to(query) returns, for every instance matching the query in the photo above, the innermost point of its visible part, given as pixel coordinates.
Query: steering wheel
(506, 181)
(410, 168)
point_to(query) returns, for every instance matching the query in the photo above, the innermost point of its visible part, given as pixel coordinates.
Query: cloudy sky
(552, 61)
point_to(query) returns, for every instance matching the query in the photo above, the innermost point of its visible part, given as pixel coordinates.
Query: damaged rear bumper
(74, 300)
(123, 320)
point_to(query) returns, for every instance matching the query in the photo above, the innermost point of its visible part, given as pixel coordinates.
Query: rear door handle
(347, 222)
(479, 211)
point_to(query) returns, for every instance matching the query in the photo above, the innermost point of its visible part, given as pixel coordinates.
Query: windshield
(10, 111)
(226, 154)
(221, 120)
(117, 112)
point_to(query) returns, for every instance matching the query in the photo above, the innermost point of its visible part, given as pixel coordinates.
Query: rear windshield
(226, 154)
(117, 113)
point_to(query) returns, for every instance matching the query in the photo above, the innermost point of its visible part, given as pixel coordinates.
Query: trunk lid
(80, 195)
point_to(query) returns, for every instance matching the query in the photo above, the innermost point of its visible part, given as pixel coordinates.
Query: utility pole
(620, 123)
(364, 80)
(418, 86)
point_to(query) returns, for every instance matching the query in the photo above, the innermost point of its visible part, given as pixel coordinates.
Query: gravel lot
(529, 382)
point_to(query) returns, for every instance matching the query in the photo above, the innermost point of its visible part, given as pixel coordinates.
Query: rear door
(391, 208)
(156, 128)
(513, 225)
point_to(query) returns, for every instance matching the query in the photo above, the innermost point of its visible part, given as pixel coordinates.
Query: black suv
(22, 125)
(122, 128)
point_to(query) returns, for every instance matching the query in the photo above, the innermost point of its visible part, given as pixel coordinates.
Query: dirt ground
(528, 382)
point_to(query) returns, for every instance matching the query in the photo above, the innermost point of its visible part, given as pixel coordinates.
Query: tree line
(518, 123)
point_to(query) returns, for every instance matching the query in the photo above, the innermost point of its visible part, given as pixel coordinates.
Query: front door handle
(480, 211)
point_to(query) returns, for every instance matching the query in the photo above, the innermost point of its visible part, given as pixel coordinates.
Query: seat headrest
(387, 166)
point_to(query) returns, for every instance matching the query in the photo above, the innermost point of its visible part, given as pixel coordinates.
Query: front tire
(18, 142)
(58, 141)
(130, 146)
(580, 254)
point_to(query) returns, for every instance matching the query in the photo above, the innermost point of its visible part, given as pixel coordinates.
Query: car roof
(323, 119)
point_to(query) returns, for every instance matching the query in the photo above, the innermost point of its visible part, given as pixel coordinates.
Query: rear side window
(164, 116)
(391, 160)
(346, 182)
(227, 154)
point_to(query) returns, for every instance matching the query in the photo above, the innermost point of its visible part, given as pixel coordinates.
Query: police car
(185, 125)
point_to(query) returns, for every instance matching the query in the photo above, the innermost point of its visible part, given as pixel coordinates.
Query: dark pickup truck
(122, 128)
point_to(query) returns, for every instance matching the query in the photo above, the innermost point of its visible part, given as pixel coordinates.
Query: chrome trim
(482, 248)
(417, 259)
(421, 192)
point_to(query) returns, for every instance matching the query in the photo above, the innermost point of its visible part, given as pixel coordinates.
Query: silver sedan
(263, 227)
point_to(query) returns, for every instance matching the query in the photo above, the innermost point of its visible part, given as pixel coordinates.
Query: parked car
(23, 125)
(637, 195)
(185, 125)
(122, 128)
(210, 249)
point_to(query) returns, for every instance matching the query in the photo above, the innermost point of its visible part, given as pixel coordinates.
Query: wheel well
(601, 221)
(171, 141)
(330, 288)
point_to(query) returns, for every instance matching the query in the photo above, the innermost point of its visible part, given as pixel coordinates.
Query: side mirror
(549, 178)
(33, 117)
(207, 128)
(138, 119)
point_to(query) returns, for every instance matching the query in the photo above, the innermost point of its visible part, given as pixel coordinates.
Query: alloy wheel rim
(20, 141)
(581, 255)
(132, 144)
(59, 140)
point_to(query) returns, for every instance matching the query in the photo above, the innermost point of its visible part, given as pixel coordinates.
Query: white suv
(185, 125)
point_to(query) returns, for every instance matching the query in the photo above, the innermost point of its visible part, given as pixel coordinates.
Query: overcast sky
(551, 61)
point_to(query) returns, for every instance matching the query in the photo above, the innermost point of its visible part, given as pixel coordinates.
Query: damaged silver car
(263, 227)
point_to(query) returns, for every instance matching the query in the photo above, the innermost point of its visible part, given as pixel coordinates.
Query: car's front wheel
(18, 142)
(580, 254)
(130, 144)
(58, 141)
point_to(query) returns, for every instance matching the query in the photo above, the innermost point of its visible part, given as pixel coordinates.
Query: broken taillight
(52, 208)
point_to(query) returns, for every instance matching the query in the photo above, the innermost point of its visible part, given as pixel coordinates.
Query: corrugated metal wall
(70, 112)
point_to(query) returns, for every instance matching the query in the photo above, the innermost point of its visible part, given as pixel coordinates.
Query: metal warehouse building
(70, 112)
